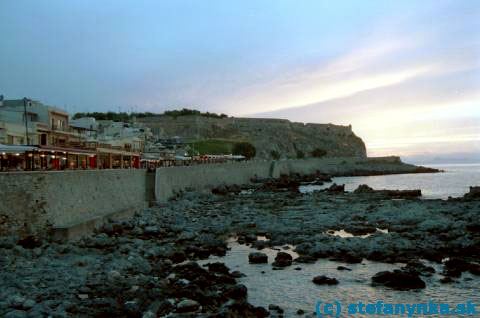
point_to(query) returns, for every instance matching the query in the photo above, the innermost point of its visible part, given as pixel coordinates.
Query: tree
(244, 149)
(275, 154)
(300, 154)
(318, 153)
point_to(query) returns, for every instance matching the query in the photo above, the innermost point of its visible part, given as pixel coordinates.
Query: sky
(404, 74)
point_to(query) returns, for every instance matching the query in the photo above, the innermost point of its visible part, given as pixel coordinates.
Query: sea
(453, 182)
(292, 288)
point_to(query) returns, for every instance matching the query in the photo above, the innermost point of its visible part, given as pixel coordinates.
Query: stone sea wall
(70, 203)
(171, 181)
(39, 202)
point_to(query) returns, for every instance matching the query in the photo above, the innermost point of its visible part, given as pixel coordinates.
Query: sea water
(454, 181)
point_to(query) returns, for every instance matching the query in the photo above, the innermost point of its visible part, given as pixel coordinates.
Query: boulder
(257, 258)
(187, 305)
(400, 280)
(324, 280)
(282, 260)
(336, 188)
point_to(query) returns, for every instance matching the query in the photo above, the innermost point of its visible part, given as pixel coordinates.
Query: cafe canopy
(9, 149)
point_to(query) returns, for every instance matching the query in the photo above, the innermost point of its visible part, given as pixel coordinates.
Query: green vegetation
(189, 112)
(300, 154)
(275, 154)
(244, 149)
(212, 147)
(127, 117)
(318, 153)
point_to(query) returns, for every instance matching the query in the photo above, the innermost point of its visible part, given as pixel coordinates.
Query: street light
(26, 119)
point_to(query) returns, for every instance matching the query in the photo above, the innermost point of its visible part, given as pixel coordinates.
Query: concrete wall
(37, 202)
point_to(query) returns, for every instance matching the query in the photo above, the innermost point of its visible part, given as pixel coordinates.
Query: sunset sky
(405, 74)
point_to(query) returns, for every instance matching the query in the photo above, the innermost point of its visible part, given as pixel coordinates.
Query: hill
(271, 137)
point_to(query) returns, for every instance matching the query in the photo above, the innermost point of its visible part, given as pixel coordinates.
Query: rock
(400, 280)
(300, 312)
(28, 304)
(226, 189)
(394, 194)
(257, 258)
(237, 274)
(261, 312)
(473, 194)
(363, 188)
(276, 308)
(218, 268)
(132, 308)
(187, 305)
(16, 314)
(238, 291)
(415, 266)
(282, 260)
(446, 280)
(343, 268)
(17, 301)
(402, 194)
(305, 259)
(324, 280)
(152, 231)
(454, 267)
(30, 242)
(335, 188)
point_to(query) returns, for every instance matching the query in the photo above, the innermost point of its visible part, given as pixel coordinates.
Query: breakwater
(69, 203)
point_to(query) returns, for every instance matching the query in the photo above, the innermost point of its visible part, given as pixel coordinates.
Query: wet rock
(336, 188)
(282, 260)
(446, 280)
(276, 308)
(257, 258)
(237, 292)
(416, 266)
(132, 308)
(30, 242)
(473, 194)
(363, 188)
(17, 301)
(285, 182)
(237, 274)
(16, 314)
(218, 268)
(343, 268)
(324, 280)
(454, 267)
(152, 230)
(28, 304)
(226, 189)
(400, 280)
(305, 259)
(300, 312)
(394, 194)
(187, 305)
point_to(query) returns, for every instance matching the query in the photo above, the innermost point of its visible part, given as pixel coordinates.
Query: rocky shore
(146, 267)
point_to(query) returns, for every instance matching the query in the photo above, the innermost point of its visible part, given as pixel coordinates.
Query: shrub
(300, 154)
(244, 149)
(318, 153)
(275, 154)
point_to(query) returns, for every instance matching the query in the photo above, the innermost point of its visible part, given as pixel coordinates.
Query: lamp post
(26, 119)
